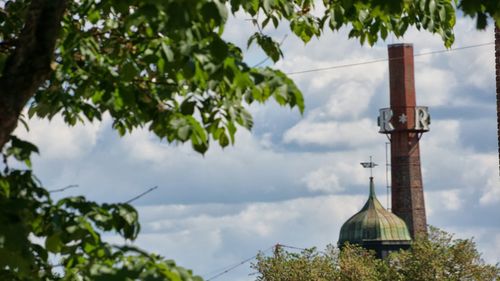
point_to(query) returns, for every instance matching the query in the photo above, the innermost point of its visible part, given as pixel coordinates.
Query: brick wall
(497, 63)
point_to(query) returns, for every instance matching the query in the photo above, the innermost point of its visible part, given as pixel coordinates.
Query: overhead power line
(64, 188)
(140, 195)
(290, 247)
(229, 268)
(386, 59)
(232, 267)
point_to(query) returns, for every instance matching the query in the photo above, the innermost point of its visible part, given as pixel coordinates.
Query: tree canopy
(163, 65)
(436, 257)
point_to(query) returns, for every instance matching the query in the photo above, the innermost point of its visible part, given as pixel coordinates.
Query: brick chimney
(497, 63)
(405, 123)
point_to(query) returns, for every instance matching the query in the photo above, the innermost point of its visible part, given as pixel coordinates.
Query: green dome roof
(373, 223)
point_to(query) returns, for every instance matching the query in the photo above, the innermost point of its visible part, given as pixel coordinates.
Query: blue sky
(295, 179)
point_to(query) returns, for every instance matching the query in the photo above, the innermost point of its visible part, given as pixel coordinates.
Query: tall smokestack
(405, 122)
(497, 63)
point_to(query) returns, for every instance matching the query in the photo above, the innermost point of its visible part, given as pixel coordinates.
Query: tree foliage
(283, 265)
(42, 239)
(159, 64)
(164, 65)
(438, 257)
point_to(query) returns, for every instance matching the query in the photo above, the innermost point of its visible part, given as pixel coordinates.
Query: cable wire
(230, 268)
(386, 59)
(140, 195)
(290, 247)
(64, 188)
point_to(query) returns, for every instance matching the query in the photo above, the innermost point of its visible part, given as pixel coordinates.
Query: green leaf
(219, 48)
(302, 29)
(53, 243)
(270, 47)
(482, 20)
(187, 107)
(214, 10)
(265, 22)
(383, 32)
(128, 72)
(21, 150)
(245, 119)
(5, 188)
(167, 51)
(442, 13)
(223, 140)
(432, 6)
(3, 59)
(94, 16)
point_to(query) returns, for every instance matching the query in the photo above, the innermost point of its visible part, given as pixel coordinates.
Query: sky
(294, 179)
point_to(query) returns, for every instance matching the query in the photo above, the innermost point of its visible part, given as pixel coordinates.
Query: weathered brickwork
(497, 63)
(407, 188)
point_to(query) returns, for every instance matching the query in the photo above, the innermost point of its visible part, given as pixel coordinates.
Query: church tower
(375, 228)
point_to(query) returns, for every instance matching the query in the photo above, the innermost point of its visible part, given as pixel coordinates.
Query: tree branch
(29, 65)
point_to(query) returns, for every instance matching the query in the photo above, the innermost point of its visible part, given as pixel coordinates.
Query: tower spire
(373, 227)
(372, 188)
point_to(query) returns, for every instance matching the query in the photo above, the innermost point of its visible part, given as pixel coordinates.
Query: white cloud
(491, 180)
(57, 140)
(449, 200)
(324, 180)
(491, 193)
(336, 177)
(333, 134)
(490, 254)
(205, 239)
(448, 165)
(349, 100)
(474, 66)
(434, 85)
(142, 146)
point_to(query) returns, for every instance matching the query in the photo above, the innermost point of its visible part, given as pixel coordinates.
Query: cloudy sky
(295, 179)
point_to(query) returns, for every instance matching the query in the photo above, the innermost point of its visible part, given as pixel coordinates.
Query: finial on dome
(370, 165)
(372, 188)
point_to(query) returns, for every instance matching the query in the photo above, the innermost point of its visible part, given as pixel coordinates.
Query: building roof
(373, 223)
